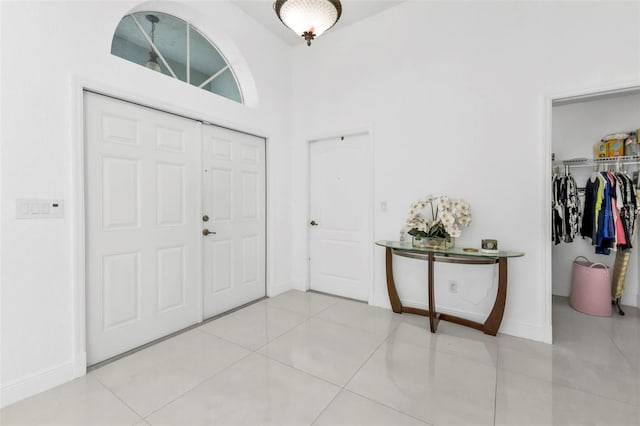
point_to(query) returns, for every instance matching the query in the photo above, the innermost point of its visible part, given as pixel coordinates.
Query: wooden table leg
(492, 324)
(396, 305)
(433, 319)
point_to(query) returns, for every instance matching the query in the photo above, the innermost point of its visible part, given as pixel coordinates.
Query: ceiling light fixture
(152, 63)
(308, 18)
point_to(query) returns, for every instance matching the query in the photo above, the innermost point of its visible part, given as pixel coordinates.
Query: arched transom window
(169, 45)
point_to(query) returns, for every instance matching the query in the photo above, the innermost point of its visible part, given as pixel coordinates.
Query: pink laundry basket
(590, 288)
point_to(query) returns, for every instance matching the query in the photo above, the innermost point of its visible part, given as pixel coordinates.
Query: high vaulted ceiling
(352, 11)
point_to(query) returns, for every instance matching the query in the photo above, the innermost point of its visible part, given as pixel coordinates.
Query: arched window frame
(191, 27)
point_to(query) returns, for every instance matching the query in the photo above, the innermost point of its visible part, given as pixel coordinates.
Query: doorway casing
(546, 168)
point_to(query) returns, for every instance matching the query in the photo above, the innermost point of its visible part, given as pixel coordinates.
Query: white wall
(47, 49)
(455, 95)
(576, 128)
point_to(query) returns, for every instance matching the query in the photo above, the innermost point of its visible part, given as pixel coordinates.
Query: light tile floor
(310, 359)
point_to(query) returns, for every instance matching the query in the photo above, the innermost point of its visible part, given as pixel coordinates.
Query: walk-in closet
(595, 165)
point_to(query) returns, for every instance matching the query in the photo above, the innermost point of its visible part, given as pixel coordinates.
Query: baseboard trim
(539, 333)
(279, 289)
(464, 314)
(36, 383)
(80, 363)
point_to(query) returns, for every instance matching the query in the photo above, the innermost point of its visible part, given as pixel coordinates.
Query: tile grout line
(327, 406)
(251, 352)
(366, 361)
(198, 384)
(171, 335)
(298, 370)
(389, 407)
(584, 391)
(262, 345)
(140, 416)
(495, 389)
(280, 335)
(458, 354)
(344, 388)
(565, 386)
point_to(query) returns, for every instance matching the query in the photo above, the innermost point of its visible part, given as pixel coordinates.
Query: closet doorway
(340, 216)
(578, 123)
(154, 182)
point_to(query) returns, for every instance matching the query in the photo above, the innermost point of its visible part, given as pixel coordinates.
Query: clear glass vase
(438, 243)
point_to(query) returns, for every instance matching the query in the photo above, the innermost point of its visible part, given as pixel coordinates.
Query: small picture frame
(490, 246)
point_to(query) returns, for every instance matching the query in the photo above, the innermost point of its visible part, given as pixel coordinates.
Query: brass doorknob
(206, 232)
(313, 223)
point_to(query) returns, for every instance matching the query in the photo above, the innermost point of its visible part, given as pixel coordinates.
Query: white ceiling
(352, 11)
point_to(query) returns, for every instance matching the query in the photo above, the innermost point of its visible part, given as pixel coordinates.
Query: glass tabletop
(455, 251)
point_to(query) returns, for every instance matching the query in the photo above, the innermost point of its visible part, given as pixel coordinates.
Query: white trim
(200, 204)
(365, 131)
(547, 256)
(545, 332)
(35, 383)
(76, 208)
(269, 246)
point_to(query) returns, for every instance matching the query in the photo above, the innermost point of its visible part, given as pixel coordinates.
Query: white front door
(341, 243)
(234, 205)
(142, 225)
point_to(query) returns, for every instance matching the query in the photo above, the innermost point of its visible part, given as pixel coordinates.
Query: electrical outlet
(453, 286)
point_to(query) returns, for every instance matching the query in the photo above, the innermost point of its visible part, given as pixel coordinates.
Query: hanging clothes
(589, 213)
(605, 230)
(565, 208)
(610, 210)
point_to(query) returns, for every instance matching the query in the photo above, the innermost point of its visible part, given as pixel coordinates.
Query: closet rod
(584, 162)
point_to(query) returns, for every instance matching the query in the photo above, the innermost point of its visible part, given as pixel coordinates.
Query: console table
(452, 255)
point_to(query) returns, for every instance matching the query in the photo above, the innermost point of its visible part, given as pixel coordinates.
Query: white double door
(150, 178)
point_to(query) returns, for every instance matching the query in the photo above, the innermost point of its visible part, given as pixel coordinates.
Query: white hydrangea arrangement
(447, 217)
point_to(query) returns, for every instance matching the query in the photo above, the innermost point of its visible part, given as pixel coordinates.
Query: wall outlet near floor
(453, 286)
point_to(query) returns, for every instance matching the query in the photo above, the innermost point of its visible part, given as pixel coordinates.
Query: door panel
(142, 227)
(121, 287)
(234, 199)
(340, 204)
(171, 278)
(171, 194)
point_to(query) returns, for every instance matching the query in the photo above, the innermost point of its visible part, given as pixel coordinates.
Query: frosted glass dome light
(308, 18)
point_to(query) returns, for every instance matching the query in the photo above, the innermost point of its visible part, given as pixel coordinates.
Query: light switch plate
(39, 208)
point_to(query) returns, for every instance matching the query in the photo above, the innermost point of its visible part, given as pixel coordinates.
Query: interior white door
(142, 227)
(340, 243)
(234, 203)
